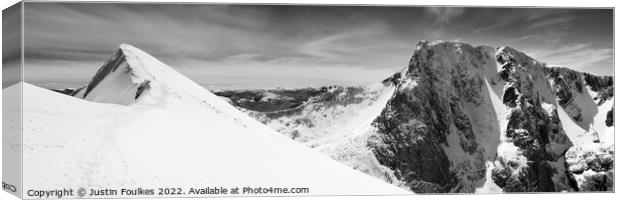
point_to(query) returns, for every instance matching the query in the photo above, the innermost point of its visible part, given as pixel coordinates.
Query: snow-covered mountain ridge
(139, 123)
(466, 119)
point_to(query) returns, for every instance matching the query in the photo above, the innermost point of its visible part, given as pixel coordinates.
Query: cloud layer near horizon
(313, 44)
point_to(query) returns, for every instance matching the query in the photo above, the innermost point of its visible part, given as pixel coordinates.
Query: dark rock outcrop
(414, 130)
(110, 66)
(529, 127)
(414, 126)
(610, 118)
(67, 91)
(593, 167)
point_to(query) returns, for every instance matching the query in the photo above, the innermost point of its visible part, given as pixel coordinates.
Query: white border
(520, 3)
(553, 3)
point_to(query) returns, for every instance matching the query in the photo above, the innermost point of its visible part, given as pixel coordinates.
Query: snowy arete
(140, 124)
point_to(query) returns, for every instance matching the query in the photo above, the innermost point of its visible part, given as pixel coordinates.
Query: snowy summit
(139, 123)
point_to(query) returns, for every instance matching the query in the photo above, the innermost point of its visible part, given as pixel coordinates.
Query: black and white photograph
(199, 99)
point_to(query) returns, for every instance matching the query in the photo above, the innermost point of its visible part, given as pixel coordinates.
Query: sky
(11, 43)
(266, 46)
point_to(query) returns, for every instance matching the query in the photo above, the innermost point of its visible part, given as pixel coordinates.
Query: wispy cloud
(292, 41)
(583, 57)
(444, 15)
(550, 38)
(344, 45)
(559, 23)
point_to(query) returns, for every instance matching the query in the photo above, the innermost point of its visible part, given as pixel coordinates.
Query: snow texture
(171, 132)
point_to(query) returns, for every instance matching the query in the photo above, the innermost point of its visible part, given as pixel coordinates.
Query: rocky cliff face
(449, 85)
(467, 119)
(535, 131)
(429, 131)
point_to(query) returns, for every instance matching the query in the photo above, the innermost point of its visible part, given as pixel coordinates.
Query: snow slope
(590, 159)
(171, 133)
(11, 137)
(338, 125)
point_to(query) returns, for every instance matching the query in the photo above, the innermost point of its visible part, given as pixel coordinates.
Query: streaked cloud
(443, 15)
(561, 22)
(582, 57)
(236, 41)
